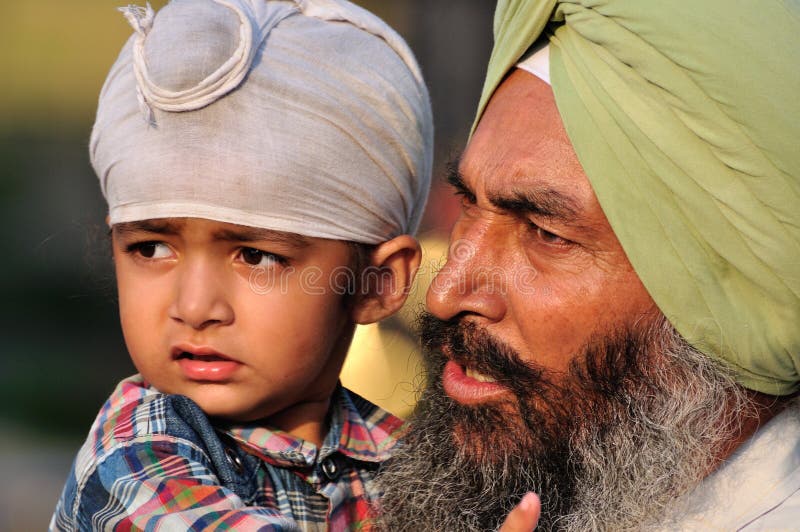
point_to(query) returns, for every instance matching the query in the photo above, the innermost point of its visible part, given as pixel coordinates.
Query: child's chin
(224, 406)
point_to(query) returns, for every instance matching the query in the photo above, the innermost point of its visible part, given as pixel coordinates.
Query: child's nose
(200, 299)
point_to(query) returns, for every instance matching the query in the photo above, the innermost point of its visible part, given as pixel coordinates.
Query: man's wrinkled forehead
(521, 144)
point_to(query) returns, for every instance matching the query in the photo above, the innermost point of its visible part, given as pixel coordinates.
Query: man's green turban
(685, 115)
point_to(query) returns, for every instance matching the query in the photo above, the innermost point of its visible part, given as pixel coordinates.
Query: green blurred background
(61, 350)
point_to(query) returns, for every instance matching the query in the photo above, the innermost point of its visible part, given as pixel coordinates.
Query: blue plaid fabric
(155, 462)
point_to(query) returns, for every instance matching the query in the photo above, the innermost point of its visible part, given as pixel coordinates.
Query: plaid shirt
(137, 471)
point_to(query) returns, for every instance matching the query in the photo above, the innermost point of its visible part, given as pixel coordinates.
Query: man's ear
(386, 282)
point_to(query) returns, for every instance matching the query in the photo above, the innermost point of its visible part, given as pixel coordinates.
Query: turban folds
(306, 116)
(685, 116)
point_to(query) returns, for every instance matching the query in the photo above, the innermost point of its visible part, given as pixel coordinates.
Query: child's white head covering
(307, 116)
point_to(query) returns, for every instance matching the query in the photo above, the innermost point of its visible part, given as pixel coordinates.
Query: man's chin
(487, 433)
(632, 429)
(461, 468)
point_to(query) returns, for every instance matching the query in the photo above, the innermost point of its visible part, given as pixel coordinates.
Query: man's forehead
(499, 173)
(521, 160)
(520, 144)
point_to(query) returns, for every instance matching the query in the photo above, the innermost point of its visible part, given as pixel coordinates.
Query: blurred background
(62, 352)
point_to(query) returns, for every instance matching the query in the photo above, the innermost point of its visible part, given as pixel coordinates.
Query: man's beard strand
(636, 423)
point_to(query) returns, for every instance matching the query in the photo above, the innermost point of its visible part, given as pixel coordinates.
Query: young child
(264, 163)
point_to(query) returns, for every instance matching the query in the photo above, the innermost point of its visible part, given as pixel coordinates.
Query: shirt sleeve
(164, 484)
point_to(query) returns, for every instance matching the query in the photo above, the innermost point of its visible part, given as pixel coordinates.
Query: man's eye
(256, 257)
(150, 250)
(464, 199)
(547, 237)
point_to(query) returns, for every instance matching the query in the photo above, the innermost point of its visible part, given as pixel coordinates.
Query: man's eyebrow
(456, 180)
(256, 234)
(544, 202)
(158, 226)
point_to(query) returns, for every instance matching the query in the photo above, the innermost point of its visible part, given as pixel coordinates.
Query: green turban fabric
(685, 115)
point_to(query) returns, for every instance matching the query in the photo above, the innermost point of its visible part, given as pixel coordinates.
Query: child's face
(246, 322)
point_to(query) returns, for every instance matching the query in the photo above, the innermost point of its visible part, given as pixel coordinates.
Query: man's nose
(201, 299)
(472, 280)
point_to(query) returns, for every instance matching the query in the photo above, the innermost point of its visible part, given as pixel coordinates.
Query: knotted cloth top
(307, 116)
(685, 116)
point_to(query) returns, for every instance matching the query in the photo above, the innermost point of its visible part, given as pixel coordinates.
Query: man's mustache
(467, 344)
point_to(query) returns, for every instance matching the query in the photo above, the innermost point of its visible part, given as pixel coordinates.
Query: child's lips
(197, 352)
(201, 363)
(205, 358)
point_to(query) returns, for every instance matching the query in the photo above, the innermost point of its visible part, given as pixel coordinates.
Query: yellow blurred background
(61, 350)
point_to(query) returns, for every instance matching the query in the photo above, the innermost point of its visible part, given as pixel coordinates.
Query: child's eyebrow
(254, 234)
(239, 234)
(161, 227)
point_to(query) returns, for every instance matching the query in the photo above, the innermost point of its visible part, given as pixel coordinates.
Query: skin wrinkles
(580, 290)
(553, 212)
(545, 203)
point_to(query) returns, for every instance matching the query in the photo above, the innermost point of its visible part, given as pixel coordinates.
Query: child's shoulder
(137, 419)
(153, 457)
(133, 432)
(133, 410)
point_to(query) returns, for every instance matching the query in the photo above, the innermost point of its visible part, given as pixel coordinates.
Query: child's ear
(386, 282)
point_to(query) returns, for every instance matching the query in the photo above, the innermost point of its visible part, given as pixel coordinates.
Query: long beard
(636, 423)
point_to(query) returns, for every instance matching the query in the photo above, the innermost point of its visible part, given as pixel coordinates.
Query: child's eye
(256, 257)
(150, 250)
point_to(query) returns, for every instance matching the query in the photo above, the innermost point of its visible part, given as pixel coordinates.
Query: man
(616, 327)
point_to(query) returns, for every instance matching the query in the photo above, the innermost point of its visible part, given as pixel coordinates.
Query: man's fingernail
(529, 501)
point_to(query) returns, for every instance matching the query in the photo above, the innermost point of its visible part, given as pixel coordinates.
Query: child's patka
(313, 116)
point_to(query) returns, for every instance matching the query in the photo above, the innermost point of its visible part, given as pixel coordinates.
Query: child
(255, 155)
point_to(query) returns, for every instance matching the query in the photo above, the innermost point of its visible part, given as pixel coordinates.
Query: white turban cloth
(307, 116)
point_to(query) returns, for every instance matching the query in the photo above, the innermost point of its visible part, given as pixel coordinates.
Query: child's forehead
(213, 229)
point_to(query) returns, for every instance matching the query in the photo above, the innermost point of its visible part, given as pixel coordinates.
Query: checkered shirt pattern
(131, 474)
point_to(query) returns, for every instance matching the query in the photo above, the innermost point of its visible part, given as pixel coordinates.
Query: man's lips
(467, 385)
(202, 363)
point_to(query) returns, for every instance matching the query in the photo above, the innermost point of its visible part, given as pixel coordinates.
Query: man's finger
(525, 516)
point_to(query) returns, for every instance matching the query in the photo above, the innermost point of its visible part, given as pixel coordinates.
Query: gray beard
(638, 423)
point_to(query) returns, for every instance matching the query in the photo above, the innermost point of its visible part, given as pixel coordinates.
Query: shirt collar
(760, 474)
(358, 429)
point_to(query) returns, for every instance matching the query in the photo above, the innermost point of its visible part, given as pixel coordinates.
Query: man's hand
(525, 516)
